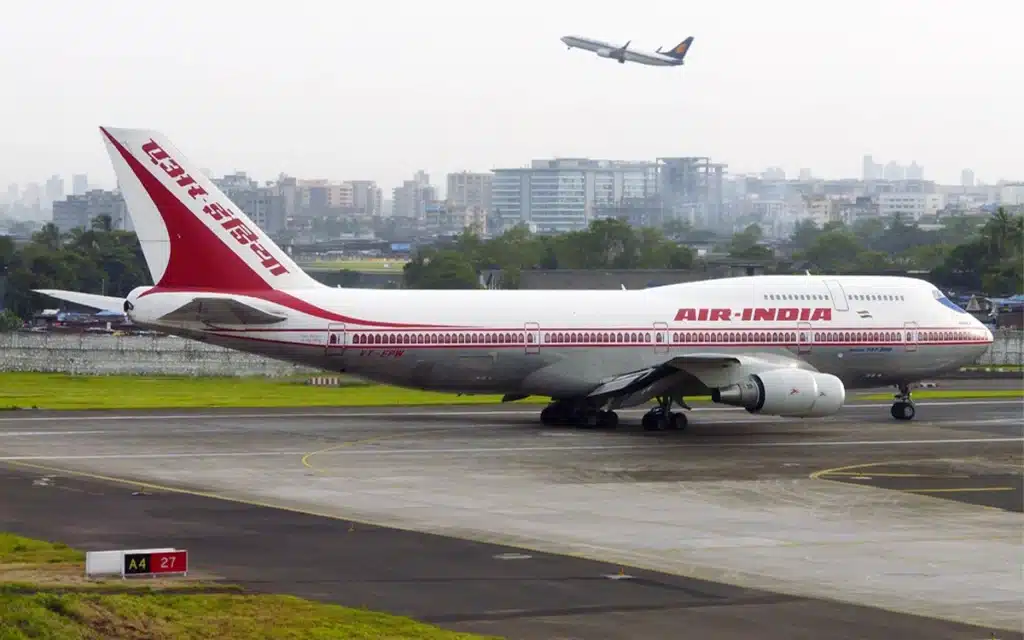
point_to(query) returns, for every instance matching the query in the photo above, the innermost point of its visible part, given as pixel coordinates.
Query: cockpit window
(946, 302)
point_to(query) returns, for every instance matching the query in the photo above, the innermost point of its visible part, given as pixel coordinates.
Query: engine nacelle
(786, 392)
(604, 53)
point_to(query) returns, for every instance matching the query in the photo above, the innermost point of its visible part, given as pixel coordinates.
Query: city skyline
(381, 91)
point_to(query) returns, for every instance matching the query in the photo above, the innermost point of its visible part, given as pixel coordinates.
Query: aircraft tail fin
(194, 237)
(679, 51)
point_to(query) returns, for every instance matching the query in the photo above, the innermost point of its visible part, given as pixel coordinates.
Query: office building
(470, 190)
(565, 194)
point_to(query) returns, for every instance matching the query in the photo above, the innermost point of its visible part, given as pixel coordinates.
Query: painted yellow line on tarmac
(352, 443)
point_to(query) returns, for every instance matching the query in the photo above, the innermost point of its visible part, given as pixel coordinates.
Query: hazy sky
(377, 90)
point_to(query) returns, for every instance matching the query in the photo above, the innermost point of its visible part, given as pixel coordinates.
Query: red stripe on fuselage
(285, 299)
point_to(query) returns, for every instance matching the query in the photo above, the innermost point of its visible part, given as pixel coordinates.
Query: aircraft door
(532, 337)
(660, 337)
(804, 337)
(838, 295)
(910, 336)
(335, 339)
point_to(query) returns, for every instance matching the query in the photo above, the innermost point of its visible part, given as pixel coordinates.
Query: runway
(737, 526)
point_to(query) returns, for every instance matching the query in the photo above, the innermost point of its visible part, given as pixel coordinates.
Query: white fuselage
(868, 331)
(605, 50)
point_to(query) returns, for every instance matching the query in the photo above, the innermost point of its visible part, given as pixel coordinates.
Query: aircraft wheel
(651, 421)
(607, 420)
(903, 411)
(678, 421)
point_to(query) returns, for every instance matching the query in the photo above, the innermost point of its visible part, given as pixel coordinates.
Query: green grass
(363, 266)
(16, 550)
(966, 394)
(148, 609)
(62, 391)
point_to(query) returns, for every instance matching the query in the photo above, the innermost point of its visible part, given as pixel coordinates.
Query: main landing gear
(662, 418)
(565, 413)
(577, 413)
(903, 408)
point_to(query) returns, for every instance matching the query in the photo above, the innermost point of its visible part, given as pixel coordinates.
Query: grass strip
(63, 391)
(62, 604)
(966, 394)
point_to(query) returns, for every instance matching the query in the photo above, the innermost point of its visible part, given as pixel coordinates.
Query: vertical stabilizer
(192, 235)
(679, 51)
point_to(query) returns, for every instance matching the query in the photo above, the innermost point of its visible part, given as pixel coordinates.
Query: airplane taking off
(775, 345)
(671, 58)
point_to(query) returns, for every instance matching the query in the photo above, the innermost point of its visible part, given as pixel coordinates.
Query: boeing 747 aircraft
(671, 58)
(775, 345)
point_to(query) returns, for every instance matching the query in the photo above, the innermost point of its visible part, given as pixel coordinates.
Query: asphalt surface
(336, 459)
(454, 583)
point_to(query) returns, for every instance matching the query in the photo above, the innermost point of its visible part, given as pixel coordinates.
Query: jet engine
(786, 392)
(606, 53)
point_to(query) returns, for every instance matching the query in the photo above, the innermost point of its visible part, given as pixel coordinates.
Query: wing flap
(221, 311)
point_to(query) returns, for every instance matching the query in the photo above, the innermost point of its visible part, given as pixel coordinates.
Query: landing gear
(661, 418)
(903, 408)
(565, 413)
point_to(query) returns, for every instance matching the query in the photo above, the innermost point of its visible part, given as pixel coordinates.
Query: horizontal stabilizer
(221, 311)
(102, 303)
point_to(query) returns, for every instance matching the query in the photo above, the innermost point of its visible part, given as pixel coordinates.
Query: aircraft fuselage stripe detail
(488, 338)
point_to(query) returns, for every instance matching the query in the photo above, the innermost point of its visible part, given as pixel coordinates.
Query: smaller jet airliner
(671, 58)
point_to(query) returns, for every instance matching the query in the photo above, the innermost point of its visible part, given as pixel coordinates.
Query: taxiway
(739, 526)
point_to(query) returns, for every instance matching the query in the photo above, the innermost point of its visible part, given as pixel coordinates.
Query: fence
(106, 355)
(133, 355)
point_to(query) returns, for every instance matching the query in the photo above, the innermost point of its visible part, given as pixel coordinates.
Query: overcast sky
(377, 90)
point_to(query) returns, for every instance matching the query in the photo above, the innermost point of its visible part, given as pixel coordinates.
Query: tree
(444, 269)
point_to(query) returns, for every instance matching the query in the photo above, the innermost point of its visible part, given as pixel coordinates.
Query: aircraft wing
(221, 311)
(103, 303)
(689, 374)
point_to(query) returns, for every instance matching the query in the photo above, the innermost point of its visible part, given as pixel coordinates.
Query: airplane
(774, 345)
(671, 58)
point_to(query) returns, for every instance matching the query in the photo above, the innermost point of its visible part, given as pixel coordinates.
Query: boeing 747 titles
(775, 345)
(671, 58)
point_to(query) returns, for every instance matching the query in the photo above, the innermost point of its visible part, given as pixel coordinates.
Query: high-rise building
(872, 170)
(54, 188)
(470, 190)
(692, 189)
(894, 171)
(367, 198)
(79, 184)
(78, 211)
(411, 199)
(915, 171)
(565, 194)
(967, 178)
(805, 175)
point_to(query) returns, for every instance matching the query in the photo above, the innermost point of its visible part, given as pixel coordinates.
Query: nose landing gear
(903, 408)
(662, 418)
